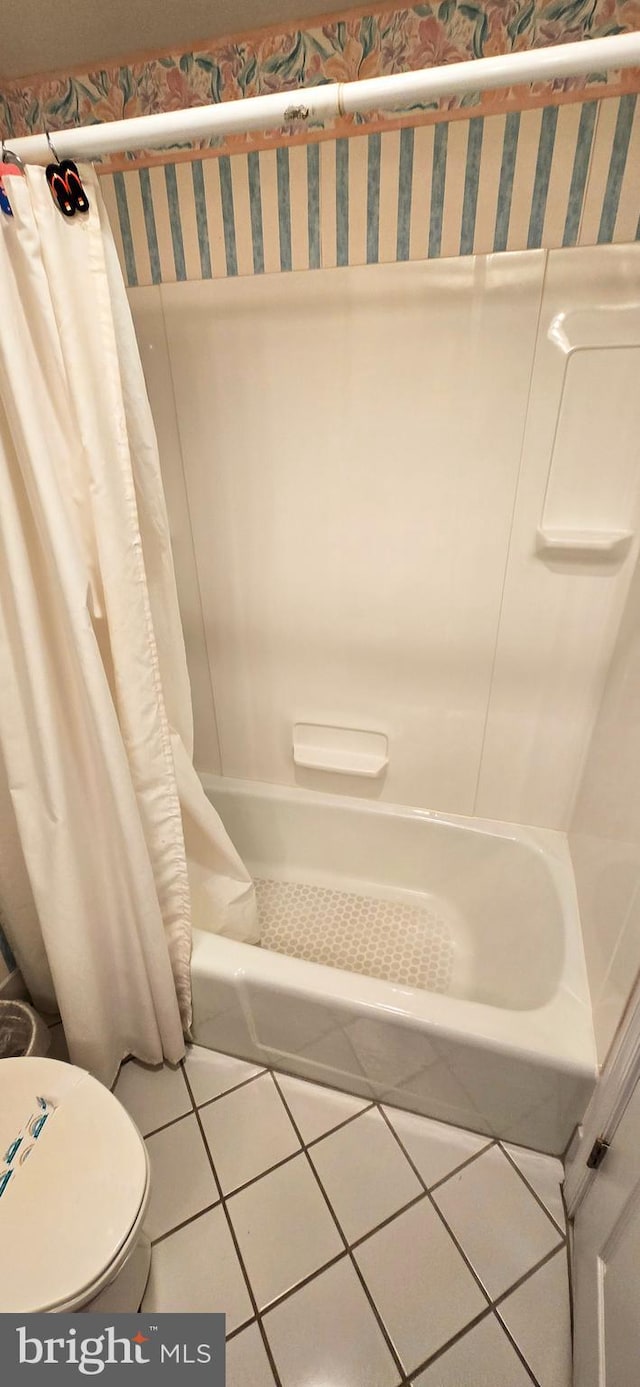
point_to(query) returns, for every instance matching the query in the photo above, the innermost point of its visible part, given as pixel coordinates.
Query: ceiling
(52, 35)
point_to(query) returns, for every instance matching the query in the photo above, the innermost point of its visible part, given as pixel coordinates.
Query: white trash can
(22, 1031)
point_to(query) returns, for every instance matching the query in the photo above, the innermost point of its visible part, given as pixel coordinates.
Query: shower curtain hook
(51, 147)
(7, 156)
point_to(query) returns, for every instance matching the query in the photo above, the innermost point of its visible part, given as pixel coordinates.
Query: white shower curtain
(122, 849)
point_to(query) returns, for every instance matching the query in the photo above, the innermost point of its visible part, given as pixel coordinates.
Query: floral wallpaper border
(363, 43)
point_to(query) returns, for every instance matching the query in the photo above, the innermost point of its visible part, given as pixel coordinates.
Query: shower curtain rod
(308, 105)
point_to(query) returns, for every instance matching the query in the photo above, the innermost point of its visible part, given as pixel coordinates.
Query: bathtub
(500, 1038)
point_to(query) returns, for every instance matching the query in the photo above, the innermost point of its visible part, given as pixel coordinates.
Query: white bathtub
(508, 1051)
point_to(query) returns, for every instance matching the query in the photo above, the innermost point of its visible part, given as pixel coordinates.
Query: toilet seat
(70, 1214)
(89, 1293)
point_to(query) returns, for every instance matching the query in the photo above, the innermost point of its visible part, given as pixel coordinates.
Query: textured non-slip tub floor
(349, 1244)
(394, 940)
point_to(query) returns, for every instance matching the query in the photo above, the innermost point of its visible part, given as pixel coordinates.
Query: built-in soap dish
(604, 546)
(340, 750)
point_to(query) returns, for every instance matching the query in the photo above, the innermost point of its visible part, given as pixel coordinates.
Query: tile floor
(350, 1245)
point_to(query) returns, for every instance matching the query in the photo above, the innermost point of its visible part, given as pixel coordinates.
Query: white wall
(579, 474)
(605, 834)
(356, 463)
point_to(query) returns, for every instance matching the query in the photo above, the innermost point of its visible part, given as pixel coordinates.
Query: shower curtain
(115, 845)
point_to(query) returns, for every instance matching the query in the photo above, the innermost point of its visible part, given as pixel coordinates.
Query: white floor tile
(482, 1358)
(327, 1333)
(181, 1179)
(211, 1073)
(365, 1173)
(248, 1131)
(318, 1110)
(545, 1174)
(435, 1148)
(247, 1362)
(421, 1286)
(152, 1096)
(284, 1229)
(537, 1315)
(498, 1223)
(197, 1269)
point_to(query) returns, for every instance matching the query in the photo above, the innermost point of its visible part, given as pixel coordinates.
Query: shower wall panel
(356, 463)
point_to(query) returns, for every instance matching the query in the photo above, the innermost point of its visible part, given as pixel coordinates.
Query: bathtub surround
(440, 557)
(95, 720)
(503, 1044)
(564, 176)
(604, 835)
(360, 547)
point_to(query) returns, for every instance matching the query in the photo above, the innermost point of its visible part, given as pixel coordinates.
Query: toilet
(74, 1189)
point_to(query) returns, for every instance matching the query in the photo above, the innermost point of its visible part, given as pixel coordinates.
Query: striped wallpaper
(560, 176)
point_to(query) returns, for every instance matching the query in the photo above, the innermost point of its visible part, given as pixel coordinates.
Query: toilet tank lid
(73, 1177)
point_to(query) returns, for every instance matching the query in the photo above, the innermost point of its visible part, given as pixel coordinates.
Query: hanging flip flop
(5, 205)
(59, 190)
(9, 164)
(74, 184)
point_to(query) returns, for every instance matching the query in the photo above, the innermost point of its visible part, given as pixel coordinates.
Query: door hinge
(597, 1153)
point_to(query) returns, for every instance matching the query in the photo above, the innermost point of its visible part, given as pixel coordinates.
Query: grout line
(163, 1126)
(240, 1189)
(406, 1377)
(233, 1333)
(381, 1325)
(517, 1350)
(438, 1211)
(367, 1101)
(364, 1237)
(461, 1250)
(526, 1276)
(306, 1280)
(314, 1140)
(532, 1192)
(162, 1237)
(493, 1309)
(232, 1232)
(244, 1083)
(455, 1338)
(331, 1130)
(463, 1165)
(568, 1248)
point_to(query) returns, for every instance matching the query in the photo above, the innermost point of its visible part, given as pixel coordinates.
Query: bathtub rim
(558, 1033)
(445, 1018)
